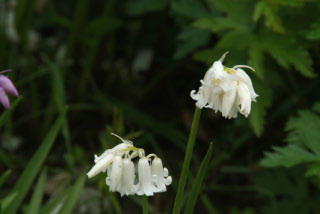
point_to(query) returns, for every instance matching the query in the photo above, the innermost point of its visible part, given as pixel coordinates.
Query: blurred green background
(128, 67)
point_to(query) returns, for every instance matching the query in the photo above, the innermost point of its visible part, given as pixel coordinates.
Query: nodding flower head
(228, 90)
(118, 162)
(6, 87)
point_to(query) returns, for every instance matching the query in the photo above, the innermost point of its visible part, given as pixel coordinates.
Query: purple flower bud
(8, 86)
(4, 100)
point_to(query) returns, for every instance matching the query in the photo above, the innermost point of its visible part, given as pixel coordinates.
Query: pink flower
(6, 87)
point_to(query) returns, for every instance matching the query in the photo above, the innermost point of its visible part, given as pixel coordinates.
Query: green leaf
(314, 32)
(190, 39)
(316, 107)
(4, 177)
(37, 195)
(5, 115)
(55, 202)
(272, 20)
(288, 52)
(259, 108)
(288, 156)
(73, 195)
(8, 200)
(234, 39)
(197, 184)
(191, 9)
(256, 58)
(313, 170)
(140, 7)
(304, 130)
(32, 168)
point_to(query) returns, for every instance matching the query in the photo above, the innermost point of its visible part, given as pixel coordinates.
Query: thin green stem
(186, 163)
(144, 204)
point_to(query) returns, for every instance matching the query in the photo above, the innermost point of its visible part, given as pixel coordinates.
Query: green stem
(144, 204)
(186, 163)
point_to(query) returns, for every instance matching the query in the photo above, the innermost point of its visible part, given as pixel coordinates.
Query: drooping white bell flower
(145, 178)
(228, 90)
(100, 165)
(114, 178)
(128, 177)
(160, 175)
(122, 174)
(106, 158)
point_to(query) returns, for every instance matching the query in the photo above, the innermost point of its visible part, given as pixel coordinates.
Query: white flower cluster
(121, 170)
(227, 90)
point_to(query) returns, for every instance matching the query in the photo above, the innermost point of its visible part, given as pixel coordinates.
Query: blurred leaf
(4, 177)
(94, 26)
(23, 16)
(7, 201)
(73, 195)
(140, 7)
(190, 39)
(288, 156)
(304, 130)
(234, 39)
(313, 170)
(256, 58)
(55, 202)
(316, 107)
(289, 191)
(259, 108)
(192, 9)
(303, 139)
(37, 195)
(32, 168)
(197, 184)
(272, 20)
(314, 32)
(5, 115)
(289, 52)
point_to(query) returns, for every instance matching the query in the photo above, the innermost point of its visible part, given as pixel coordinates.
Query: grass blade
(73, 196)
(4, 116)
(55, 202)
(34, 165)
(8, 200)
(186, 162)
(36, 199)
(4, 177)
(196, 187)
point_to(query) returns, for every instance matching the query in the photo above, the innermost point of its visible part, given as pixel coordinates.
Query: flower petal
(4, 100)
(101, 165)
(228, 100)
(8, 86)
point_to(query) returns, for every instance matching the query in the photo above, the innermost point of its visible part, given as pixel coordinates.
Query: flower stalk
(186, 162)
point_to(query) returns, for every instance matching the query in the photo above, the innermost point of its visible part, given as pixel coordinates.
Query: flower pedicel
(152, 177)
(227, 90)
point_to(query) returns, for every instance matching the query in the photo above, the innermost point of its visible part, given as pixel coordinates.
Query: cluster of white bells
(145, 178)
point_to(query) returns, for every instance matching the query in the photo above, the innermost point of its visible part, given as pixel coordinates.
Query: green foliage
(197, 184)
(24, 183)
(85, 55)
(303, 144)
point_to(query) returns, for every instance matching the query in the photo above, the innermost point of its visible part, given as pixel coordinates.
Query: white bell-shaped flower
(145, 178)
(228, 90)
(160, 175)
(127, 178)
(114, 178)
(100, 166)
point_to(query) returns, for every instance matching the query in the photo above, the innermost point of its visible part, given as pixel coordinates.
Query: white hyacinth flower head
(228, 90)
(118, 163)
